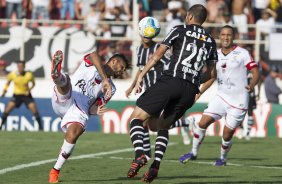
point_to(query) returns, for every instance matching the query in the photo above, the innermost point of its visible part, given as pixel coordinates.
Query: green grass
(18, 148)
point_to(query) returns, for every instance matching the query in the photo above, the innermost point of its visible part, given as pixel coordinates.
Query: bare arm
(254, 80)
(97, 62)
(129, 90)
(6, 88)
(207, 84)
(152, 62)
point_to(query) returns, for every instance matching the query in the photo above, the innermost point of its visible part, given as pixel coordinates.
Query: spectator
(174, 16)
(84, 7)
(214, 7)
(92, 20)
(40, 9)
(239, 16)
(67, 7)
(266, 22)
(272, 91)
(14, 6)
(278, 19)
(55, 7)
(258, 6)
(3, 71)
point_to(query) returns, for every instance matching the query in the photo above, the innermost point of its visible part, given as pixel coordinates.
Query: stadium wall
(268, 118)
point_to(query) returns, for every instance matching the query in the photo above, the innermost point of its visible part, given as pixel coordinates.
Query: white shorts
(218, 108)
(242, 23)
(65, 107)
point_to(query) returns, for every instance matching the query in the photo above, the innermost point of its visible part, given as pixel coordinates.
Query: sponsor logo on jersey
(198, 36)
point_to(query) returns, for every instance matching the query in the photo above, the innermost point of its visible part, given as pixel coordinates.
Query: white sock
(225, 148)
(61, 80)
(199, 135)
(65, 152)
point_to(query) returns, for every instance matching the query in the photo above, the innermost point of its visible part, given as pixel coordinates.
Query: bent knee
(139, 113)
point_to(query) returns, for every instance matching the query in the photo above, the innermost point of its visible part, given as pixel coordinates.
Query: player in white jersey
(84, 94)
(232, 96)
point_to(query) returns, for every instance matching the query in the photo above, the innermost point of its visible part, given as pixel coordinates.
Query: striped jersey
(192, 48)
(143, 55)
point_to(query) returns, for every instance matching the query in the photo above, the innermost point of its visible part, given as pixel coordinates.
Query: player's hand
(249, 88)
(107, 89)
(197, 96)
(138, 86)
(101, 110)
(128, 92)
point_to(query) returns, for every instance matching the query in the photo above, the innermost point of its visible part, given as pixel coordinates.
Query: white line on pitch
(95, 155)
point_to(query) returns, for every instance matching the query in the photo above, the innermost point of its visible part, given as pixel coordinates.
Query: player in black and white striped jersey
(175, 91)
(144, 52)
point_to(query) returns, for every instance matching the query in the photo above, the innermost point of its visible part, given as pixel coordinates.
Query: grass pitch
(27, 157)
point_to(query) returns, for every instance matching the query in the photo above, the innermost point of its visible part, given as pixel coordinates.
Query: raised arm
(152, 62)
(97, 62)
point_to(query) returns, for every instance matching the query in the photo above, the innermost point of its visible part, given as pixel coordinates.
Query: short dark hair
(20, 62)
(199, 12)
(229, 27)
(121, 56)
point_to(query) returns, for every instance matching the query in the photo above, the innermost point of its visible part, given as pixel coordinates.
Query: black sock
(38, 119)
(4, 119)
(137, 135)
(160, 148)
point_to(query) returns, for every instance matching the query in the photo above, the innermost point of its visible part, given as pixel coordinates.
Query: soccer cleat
(56, 64)
(136, 165)
(150, 175)
(186, 157)
(220, 162)
(54, 176)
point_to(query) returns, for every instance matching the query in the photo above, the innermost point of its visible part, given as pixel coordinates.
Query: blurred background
(32, 30)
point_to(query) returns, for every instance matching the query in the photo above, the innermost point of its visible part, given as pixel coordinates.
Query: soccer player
(231, 101)
(23, 84)
(144, 51)
(192, 48)
(84, 94)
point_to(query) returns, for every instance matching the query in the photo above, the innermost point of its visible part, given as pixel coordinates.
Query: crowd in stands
(264, 13)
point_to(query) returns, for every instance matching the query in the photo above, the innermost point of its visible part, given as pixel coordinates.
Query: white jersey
(232, 76)
(87, 85)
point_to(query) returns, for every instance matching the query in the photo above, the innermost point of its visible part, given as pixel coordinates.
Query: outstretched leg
(61, 80)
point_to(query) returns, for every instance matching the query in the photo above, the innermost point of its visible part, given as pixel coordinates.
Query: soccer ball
(149, 27)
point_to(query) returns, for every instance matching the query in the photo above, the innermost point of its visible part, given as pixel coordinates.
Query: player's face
(146, 40)
(226, 37)
(119, 67)
(21, 67)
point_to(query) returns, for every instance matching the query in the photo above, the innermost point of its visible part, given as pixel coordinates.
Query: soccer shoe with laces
(186, 157)
(220, 162)
(150, 175)
(56, 64)
(54, 176)
(136, 165)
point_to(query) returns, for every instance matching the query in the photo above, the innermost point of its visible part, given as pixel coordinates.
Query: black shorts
(171, 95)
(19, 99)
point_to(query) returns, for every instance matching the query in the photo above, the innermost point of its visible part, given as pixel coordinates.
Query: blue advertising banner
(21, 119)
